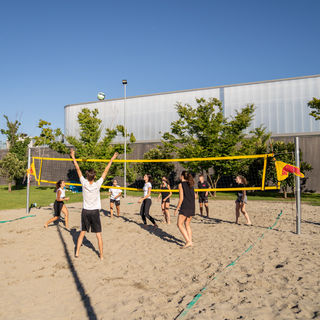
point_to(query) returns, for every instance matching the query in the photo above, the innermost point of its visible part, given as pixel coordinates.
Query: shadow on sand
(84, 297)
(157, 232)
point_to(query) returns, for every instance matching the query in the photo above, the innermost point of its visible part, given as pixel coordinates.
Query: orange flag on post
(32, 169)
(283, 169)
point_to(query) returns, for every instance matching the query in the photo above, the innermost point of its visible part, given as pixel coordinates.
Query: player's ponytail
(243, 180)
(188, 177)
(58, 185)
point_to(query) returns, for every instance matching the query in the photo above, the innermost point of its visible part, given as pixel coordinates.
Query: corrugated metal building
(281, 107)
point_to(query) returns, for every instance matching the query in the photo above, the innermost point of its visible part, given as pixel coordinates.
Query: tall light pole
(124, 82)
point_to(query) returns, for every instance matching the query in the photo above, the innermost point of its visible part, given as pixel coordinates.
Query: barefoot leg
(66, 213)
(181, 220)
(237, 212)
(51, 220)
(243, 210)
(100, 244)
(111, 209)
(79, 243)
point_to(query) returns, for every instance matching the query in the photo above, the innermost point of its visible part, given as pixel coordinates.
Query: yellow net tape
(265, 156)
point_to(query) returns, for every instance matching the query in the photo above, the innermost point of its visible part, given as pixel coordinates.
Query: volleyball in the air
(101, 96)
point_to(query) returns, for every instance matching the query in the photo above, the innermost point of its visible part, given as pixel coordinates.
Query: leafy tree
(11, 168)
(205, 132)
(91, 144)
(12, 130)
(18, 146)
(285, 152)
(252, 169)
(156, 169)
(3, 145)
(315, 104)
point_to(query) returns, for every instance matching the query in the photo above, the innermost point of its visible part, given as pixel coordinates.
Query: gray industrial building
(281, 107)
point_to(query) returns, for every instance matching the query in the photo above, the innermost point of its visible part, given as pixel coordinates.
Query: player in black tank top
(187, 207)
(241, 200)
(165, 200)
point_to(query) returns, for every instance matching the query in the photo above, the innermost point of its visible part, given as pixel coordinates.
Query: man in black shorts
(90, 216)
(203, 196)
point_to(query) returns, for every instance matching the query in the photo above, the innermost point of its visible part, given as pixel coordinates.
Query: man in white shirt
(90, 216)
(115, 198)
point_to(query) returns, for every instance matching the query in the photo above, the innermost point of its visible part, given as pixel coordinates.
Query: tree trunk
(285, 193)
(9, 186)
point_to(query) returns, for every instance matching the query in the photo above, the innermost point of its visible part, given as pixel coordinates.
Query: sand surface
(145, 275)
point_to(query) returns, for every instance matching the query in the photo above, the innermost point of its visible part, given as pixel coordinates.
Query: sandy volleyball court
(146, 276)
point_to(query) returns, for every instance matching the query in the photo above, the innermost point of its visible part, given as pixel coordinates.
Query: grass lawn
(43, 196)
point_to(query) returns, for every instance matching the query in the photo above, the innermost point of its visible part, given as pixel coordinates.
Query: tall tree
(18, 146)
(91, 144)
(204, 132)
(11, 168)
(315, 105)
(156, 169)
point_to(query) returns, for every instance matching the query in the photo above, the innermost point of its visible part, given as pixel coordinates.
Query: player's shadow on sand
(158, 232)
(85, 298)
(107, 213)
(75, 235)
(209, 220)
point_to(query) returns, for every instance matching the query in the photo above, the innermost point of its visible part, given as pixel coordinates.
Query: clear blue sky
(55, 53)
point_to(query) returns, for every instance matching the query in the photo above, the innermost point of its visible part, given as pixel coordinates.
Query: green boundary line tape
(197, 297)
(130, 203)
(32, 215)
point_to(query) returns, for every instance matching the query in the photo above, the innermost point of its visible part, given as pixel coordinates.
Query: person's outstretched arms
(75, 163)
(105, 172)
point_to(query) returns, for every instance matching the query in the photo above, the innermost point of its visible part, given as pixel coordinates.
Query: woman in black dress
(187, 207)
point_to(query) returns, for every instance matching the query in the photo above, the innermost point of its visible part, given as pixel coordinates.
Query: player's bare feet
(145, 226)
(46, 226)
(155, 227)
(187, 245)
(163, 222)
(101, 258)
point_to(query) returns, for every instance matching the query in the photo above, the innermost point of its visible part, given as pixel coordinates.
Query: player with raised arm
(90, 216)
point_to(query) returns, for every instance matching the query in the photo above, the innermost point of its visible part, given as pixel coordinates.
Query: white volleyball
(101, 96)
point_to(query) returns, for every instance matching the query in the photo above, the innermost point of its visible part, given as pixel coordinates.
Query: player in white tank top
(59, 204)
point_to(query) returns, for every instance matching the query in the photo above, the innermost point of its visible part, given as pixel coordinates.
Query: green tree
(252, 169)
(204, 132)
(18, 146)
(11, 168)
(315, 105)
(91, 144)
(156, 169)
(285, 152)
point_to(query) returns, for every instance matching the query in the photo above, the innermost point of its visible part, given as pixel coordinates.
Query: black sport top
(188, 203)
(164, 194)
(204, 185)
(239, 193)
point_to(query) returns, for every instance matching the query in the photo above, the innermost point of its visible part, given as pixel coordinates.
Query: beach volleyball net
(219, 172)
